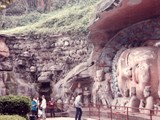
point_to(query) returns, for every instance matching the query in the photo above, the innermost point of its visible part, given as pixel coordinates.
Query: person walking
(43, 106)
(78, 105)
(51, 105)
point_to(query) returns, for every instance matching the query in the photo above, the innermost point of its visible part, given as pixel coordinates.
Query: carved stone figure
(95, 89)
(78, 89)
(148, 102)
(125, 100)
(138, 67)
(101, 91)
(68, 95)
(107, 88)
(86, 94)
(120, 102)
(134, 102)
(100, 75)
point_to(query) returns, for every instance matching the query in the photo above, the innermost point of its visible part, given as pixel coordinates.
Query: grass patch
(11, 117)
(71, 18)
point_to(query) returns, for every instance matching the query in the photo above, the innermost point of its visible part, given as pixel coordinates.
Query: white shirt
(78, 102)
(43, 104)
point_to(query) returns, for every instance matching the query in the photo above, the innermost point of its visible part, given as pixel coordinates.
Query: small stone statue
(148, 102)
(134, 101)
(86, 94)
(67, 95)
(101, 91)
(78, 90)
(95, 89)
(120, 102)
(125, 100)
(108, 77)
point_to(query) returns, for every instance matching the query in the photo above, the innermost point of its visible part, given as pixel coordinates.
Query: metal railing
(100, 112)
(123, 110)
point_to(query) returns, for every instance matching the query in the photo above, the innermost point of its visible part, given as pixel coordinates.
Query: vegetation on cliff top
(75, 17)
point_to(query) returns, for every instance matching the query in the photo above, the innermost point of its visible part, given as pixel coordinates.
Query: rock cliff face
(42, 60)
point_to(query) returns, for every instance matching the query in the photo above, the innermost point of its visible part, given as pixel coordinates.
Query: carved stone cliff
(127, 25)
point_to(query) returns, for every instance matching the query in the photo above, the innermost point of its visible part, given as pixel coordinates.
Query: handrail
(122, 110)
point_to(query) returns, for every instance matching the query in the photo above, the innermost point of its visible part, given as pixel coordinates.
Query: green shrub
(11, 117)
(20, 105)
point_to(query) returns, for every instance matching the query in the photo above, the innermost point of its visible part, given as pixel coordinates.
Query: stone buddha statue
(147, 105)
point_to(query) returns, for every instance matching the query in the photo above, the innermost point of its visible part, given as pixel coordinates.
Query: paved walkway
(60, 118)
(67, 118)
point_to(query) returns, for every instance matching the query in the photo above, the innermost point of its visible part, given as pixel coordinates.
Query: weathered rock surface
(40, 60)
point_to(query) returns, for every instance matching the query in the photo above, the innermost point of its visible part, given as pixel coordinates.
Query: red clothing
(51, 104)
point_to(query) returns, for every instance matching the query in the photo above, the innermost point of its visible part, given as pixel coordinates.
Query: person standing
(43, 106)
(51, 105)
(34, 107)
(78, 105)
(38, 107)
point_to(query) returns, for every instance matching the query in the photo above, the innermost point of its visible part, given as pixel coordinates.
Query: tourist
(43, 107)
(39, 112)
(51, 105)
(34, 107)
(78, 105)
